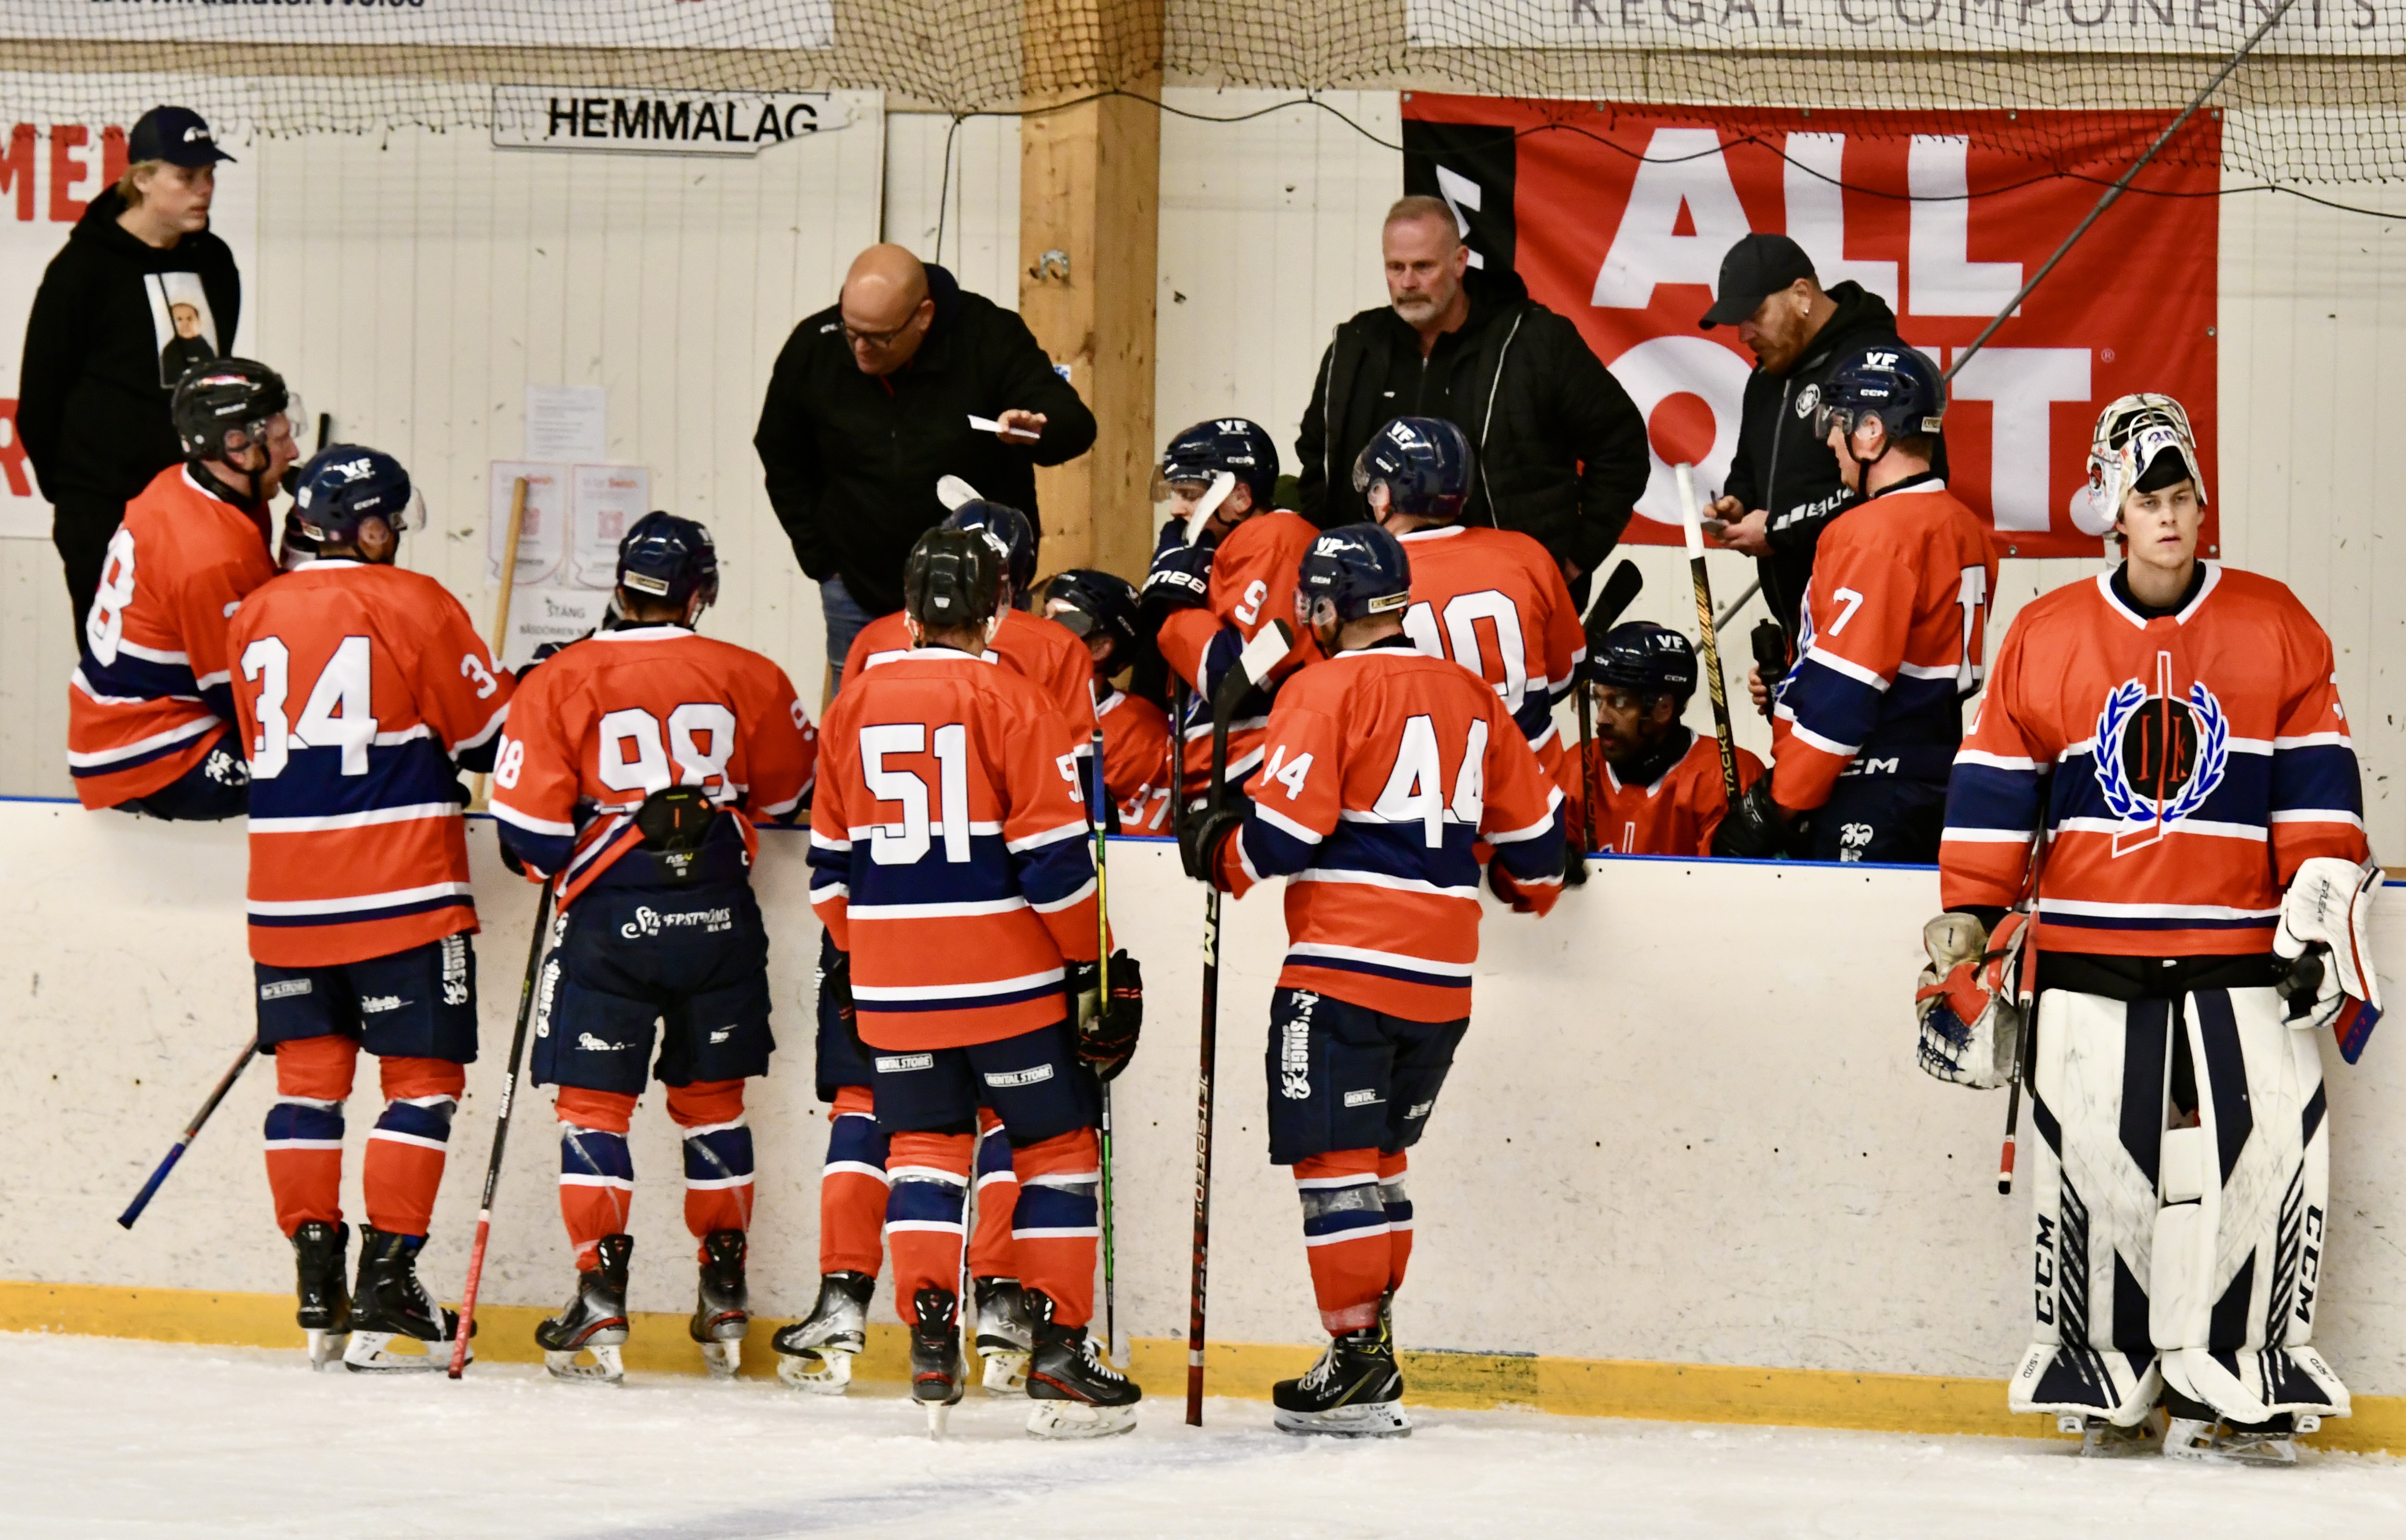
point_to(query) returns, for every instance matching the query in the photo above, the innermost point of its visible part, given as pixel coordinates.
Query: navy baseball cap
(178, 136)
(1756, 266)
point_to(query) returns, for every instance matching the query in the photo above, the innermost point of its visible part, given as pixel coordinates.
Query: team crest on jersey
(2158, 756)
(1807, 399)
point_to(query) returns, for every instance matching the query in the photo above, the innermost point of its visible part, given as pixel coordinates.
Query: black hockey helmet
(668, 558)
(345, 484)
(952, 578)
(222, 406)
(1096, 604)
(1651, 659)
(1238, 446)
(1889, 381)
(1012, 534)
(1425, 463)
(1359, 568)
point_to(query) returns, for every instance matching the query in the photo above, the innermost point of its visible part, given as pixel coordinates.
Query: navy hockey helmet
(1096, 604)
(1011, 533)
(1889, 381)
(1651, 659)
(1241, 448)
(345, 484)
(952, 578)
(1425, 463)
(668, 558)
(1360, 569)
(220, 398)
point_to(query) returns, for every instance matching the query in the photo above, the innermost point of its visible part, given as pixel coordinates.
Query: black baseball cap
(178, 136)
(1757, 265)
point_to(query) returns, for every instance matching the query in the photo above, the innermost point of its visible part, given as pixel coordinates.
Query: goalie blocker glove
(1108, 1029)
(2325, 916)
(1966, 1000)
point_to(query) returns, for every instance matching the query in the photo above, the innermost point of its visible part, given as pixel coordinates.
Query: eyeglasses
(879, 340)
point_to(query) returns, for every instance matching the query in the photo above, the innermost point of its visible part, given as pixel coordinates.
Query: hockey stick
(1269, 644)
(191, 1129)
(501, 1128)
(1619, 590)
(2025, 999)
(1101, 812)
(476, 797)
(1708, 643)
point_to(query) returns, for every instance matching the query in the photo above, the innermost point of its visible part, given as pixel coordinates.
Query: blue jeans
(845, 620)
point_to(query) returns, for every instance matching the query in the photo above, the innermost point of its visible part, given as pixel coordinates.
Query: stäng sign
(612, 119)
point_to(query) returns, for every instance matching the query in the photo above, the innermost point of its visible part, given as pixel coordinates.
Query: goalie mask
(2133, 435)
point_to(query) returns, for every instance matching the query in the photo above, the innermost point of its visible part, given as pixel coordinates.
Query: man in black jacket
(1783, 482)
(142, 285)
(878, 397)
(1560, 450)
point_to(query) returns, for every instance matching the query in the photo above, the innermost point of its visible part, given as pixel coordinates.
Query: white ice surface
(114, 1439)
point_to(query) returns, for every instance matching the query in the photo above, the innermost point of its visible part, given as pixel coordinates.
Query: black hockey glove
(510, 860)
(1756, 829)
(1180, 579)
(1200, 841)
(1108, 1029)
(835, 993)
(1574, 860)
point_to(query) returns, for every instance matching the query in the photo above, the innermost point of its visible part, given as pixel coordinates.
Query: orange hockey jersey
(1892, 642)
(949, 851)
(152, 687)
(1674, 815)
(1494, 603)
(357, 687)
(1253, 583)
(1136, 761)
(1037, 649)
(2189, 764)
(608, 721)
(1383, 768)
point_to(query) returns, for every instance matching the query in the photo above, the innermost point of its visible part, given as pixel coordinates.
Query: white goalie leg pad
(2239, 1242)
(2094, 1198)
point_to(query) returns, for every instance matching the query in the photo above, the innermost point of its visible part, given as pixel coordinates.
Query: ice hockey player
(1100, 609)
(1384, 766)
(2172, 732)
(951, 864)
(634, 767)
(361, 690)
(1657, 782)
(816, 1351)
(1891, 638)
(150, 705)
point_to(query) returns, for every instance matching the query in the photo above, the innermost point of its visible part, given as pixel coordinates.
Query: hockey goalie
(2197, 911)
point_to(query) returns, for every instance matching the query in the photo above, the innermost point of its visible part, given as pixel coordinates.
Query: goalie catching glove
(2325, 918)
(1107, 1028)
(1970, 1020)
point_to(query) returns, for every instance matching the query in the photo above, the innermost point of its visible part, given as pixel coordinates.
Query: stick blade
(1265, 652)
(1619, 591)
(952, 491)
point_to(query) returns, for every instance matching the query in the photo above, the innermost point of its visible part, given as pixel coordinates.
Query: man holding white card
(905, 380)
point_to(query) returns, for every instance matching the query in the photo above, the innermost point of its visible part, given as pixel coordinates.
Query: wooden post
(1090, 201)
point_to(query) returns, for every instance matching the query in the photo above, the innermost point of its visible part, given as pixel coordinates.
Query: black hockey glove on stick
(1107, 1028)
(1754, 828)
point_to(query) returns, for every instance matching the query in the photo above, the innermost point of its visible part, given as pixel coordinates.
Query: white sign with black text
(614, 120)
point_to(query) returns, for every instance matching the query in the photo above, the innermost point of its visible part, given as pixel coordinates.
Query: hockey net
(2322, 99)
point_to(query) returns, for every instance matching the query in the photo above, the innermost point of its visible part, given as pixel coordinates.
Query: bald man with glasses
(907, 379)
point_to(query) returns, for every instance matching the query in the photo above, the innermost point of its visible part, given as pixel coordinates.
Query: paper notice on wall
(543, 537)
(606, 502)
(538, 615)
(567, 423)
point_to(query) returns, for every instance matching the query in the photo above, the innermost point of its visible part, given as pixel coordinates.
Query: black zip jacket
(91, 406)
(1782, 467)
(1561, 450)
(852, 459)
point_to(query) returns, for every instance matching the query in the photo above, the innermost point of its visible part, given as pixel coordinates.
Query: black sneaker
(594, 1320)
(1078, 1394)
(1354, 1391)
(324, 1301)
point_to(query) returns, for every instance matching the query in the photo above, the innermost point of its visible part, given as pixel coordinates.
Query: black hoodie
(92, 394)
(1780, 466)
(1559, 448)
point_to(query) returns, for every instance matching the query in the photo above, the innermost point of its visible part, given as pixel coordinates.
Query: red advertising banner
(1618, 216)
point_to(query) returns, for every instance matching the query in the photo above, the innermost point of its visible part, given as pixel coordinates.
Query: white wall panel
(976, 213)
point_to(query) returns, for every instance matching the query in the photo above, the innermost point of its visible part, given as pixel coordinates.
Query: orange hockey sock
(597, 1174)
(997, 1196)
(931, 1173)
(305, 1129)
(402, 1167)
(717, 1156)
(852, 1187)
(1056, 1224)
(1345, 1236)
(1398, 1204)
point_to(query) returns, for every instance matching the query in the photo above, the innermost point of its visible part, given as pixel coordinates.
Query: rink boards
(1684, 1167)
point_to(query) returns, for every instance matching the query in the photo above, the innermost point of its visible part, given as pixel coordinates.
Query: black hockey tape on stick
(2025, 993)
(1620, 592)
(191, 1130)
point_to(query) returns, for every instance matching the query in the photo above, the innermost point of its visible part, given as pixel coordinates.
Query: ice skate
(325, 1304)
(389, 1307)
(935, 1376)
(816, 1354)
(2218, 1442)
(1003, 1339)
(593, 1322)
(1077, 1394)
(721, 1315)
(1354, 1391)
(2100, 1439)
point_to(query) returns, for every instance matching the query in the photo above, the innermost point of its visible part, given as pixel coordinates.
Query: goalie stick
(2025, 994)
(1254, 665)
